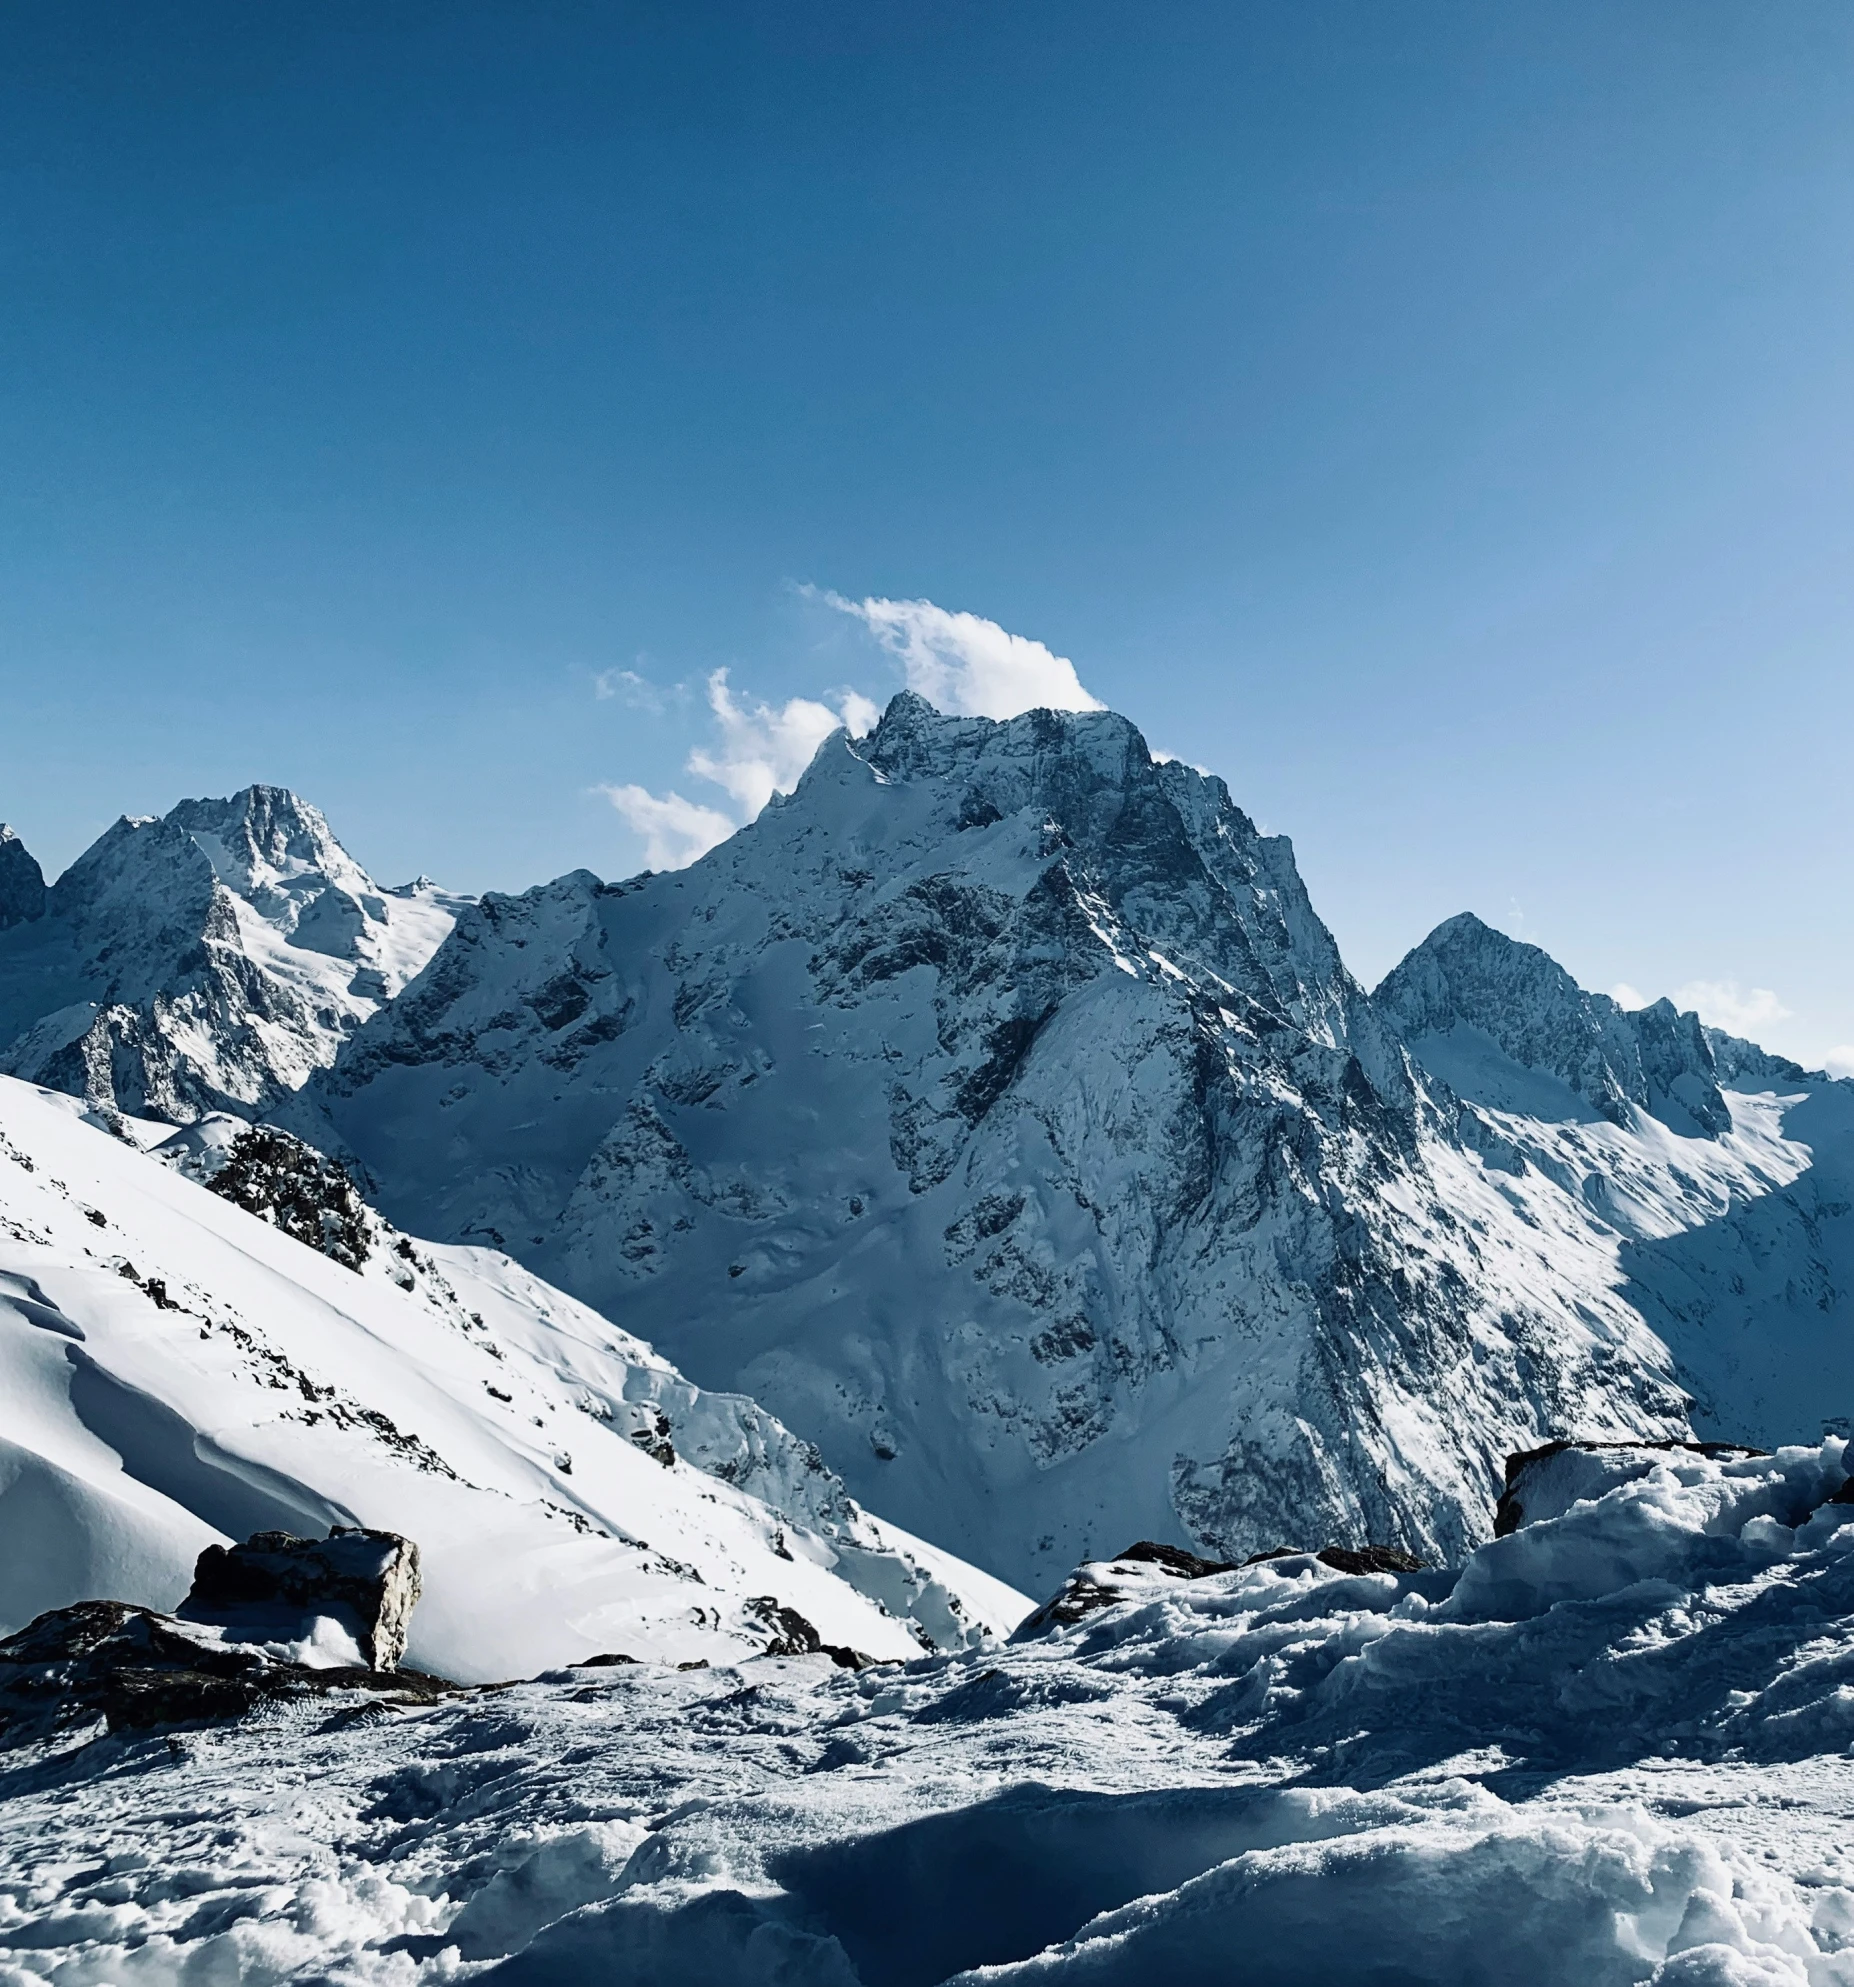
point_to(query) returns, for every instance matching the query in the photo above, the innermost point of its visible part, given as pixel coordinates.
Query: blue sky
(1434, 418)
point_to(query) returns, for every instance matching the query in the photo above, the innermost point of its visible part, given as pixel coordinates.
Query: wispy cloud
(638, 692)
(675, 830)
(759, 749)
(964, 664)
(1625, 995)
(1724, 1004)
(1840, 1062)
(763, 748)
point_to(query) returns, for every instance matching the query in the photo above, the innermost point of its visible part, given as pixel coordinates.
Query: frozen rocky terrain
(207, 959)
(1613, 1747)
(177, 1371)
(997, 1110)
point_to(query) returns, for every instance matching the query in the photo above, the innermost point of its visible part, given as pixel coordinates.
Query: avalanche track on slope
(1613, 1748)
(175, 1371)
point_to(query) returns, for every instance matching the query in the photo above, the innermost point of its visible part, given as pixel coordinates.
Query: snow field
(1635, 1773)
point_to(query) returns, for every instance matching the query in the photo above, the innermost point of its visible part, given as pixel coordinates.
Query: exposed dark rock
(793, 1635)
(136, 1669)
(299, 1190)
(22, 882)
(1174, 1558)
(1510, 1512)
(1368, 1559)
(367, 1581)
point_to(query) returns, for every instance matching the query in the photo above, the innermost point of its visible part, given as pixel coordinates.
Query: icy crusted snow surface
(175, 1372)
(1614, 1748)
(205, 960)
(997, 1110)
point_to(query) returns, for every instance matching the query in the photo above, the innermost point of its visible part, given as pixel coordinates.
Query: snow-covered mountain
(176, 1371)
(997, 1109)
(207, 959)
(1735, 1246)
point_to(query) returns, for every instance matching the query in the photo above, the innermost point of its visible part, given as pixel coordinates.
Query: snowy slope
(998, 1111)
(175, 1371)
(208, 959)
(1613, 1748)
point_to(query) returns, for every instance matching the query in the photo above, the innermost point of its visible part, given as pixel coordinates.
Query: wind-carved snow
(176, 1372)
(210, 959)
(1611, 1749)
(997, 1109)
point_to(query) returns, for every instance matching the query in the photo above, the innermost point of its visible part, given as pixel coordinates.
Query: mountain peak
(1469, 988)
(201, 960)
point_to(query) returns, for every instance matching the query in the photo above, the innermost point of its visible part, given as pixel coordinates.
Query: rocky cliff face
(999, 1112)
(22, 882)
(205, 960)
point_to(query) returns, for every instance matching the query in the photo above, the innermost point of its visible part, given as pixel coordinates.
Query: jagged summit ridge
(997, 1109)
(206, 959)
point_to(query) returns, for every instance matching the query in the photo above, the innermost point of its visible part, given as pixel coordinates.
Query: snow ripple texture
(1613, 1748)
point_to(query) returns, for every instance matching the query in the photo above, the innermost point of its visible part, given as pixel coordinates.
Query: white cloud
(1724, 1004)
(966, 665)
(638, 692)
(765, 747)
(1840, 1062)
(761, 749)
(675, 830)
(1625, 995)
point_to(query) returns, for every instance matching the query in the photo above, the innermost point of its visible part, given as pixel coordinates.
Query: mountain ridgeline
(997, 1110)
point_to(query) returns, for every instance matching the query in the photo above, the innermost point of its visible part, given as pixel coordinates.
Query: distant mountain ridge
(206, 959)
(998, 1110)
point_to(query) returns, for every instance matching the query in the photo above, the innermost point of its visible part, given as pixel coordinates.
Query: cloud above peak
(763, 748)
(965, 665)
(759, 750)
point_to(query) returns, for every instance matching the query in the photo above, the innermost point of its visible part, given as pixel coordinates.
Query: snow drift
(1613, 1747)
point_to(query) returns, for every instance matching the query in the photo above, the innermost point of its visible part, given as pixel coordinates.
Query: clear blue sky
(1435, 418)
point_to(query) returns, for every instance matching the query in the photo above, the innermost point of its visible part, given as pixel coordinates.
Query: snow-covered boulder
(136, 1668)
(1545, 1482)
(276, 1586)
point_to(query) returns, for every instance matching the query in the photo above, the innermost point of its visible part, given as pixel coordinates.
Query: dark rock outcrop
(793, 1635)
(22, 882)
(138, 1669)
(296, 1188)
(367, 1581)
